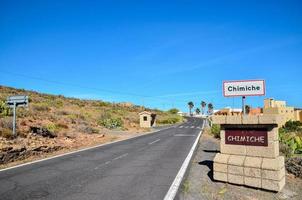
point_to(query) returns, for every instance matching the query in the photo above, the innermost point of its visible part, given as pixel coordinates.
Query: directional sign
(14, 102)
(19, 100)
(244, 88)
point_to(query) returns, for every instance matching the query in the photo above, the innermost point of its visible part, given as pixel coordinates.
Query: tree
(173, 111)
(247, 109)
(191, 105)
(203, 106)
(197, 111)
(210, 108)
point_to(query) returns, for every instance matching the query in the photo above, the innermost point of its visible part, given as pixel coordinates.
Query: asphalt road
(138, 168)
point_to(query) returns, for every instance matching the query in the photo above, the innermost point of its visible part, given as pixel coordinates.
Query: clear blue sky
(156, 53)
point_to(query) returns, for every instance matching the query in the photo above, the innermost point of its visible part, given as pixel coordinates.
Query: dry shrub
(41, 107)
(62, 125)
(63, 112)
(85, 128)
(6, 123)
(6, 133)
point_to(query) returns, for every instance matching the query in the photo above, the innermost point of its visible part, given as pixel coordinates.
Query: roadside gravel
(199, 183)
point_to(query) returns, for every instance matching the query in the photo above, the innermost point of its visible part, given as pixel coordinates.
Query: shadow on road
(209, 164)
(211, 151)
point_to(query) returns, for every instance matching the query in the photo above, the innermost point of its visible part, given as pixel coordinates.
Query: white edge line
(180, 175)
(80, 150)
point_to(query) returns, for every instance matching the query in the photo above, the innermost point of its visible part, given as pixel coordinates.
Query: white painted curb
(180, 175)
(80, 150)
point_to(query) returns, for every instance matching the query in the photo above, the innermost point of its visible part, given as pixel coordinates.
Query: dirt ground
(199, 183)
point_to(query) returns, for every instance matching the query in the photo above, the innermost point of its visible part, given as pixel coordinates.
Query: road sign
(14, 102)
(244, 88)
(249, 137)
(19, 100)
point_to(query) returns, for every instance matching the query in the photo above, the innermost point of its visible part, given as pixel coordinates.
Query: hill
(56, 123)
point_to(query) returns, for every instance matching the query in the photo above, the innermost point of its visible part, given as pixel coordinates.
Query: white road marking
(177, 181)
(180, 126)
(121, 156)
(106, 163)
(154, 141)
(192, 126)
(184, 135)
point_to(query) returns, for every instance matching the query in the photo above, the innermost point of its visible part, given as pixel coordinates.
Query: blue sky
(159, 54)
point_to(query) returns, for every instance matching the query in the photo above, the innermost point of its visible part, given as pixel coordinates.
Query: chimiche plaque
(244, 88)
(249, 137)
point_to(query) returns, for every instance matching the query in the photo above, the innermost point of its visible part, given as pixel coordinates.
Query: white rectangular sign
(244, 88)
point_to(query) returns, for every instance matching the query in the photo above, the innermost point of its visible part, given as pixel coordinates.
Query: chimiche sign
(249, 137)
(244, 88)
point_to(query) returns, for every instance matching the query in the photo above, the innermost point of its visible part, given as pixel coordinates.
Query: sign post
(249, 147)
(243, 88)
(14, 102)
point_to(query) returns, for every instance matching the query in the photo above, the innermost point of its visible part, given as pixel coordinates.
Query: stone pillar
(249, 152)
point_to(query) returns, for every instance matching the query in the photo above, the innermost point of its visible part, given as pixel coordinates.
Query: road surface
(138, 168)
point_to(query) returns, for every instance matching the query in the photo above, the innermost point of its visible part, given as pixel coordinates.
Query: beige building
(298, 114)
(275, 107)
(147, 119)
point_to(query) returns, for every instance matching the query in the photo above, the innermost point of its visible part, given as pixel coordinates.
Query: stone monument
(249, 151)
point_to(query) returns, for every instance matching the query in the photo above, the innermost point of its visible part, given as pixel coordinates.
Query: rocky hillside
(54, 122)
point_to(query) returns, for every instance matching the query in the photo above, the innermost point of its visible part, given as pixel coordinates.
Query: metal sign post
(243, 105)
(13, 102)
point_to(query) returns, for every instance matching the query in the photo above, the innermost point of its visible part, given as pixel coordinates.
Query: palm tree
(203, 106)
(197, 111)
(191, 105)
(210, 108)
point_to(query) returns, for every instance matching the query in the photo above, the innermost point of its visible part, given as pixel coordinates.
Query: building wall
(143, 123)
(298, 115)
(255, 111)
(288, 112)
(271, 103)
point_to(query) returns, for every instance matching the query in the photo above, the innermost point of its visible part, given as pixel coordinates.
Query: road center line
(121, 156)
(154, 141)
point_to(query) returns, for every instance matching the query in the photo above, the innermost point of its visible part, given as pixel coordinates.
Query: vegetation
(210, 108)
(197, 110)
(290, 136)
(169, 119)
(215, 130)
(106, 120)
(173, 111)
(247, 109)
(203, 106)
(4, 110)
(191, 106)
(62, 115)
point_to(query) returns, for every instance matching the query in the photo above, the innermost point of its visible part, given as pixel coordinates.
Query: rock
(22, 153)
(6, 149)
(294, 166)
(42, 131)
